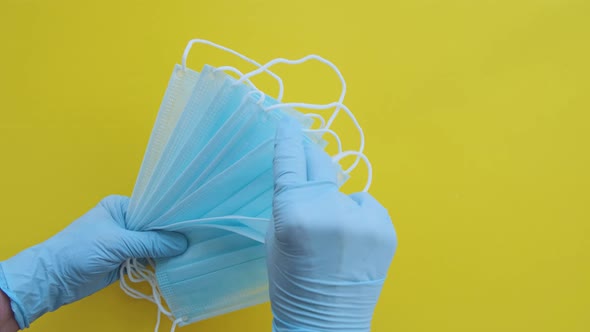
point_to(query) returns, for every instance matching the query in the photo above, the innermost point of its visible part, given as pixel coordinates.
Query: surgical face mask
(179, 90)
(207, 173)
(242, 131)
(188, 156)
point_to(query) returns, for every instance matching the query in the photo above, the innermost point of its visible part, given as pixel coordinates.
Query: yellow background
(477, 122)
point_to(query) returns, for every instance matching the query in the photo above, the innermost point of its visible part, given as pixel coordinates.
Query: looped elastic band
(271, 63)
(328, 106)
(261, 99)
(175, 324)
(235, 71)
(328, 131)
(362, 156)
(265, 68)
(316, 116)
(241, 56)
(338, 105)
(137, 272)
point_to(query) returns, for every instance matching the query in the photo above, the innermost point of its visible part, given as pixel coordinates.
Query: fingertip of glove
(154, 244)
(177, 242)
(288, 127)
(116, 206)
(118, 202)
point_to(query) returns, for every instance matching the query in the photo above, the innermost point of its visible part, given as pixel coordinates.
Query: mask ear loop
(362, 156)
(317, 116)
(296, 62)
(327, 106)
(327, 131)
(255, 89)
(261, 99)
(137, 272)
(322, 128)
(241, 56)
(339, 104)
(237, 72)
(175, 324)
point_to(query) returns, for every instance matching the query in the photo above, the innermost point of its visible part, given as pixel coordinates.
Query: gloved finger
(153, 244)
(117, 206)
(290, 167)
(319, 164)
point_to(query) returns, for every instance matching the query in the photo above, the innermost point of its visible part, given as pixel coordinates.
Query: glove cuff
(15, 304)
(27, 280)
(318, 305)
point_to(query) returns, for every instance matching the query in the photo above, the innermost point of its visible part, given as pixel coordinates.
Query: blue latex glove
(79, 261)
(328, 253)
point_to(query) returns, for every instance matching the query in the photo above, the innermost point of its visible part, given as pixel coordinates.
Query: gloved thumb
(154, 244)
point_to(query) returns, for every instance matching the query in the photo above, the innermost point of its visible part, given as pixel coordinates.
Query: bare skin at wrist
(7, 322)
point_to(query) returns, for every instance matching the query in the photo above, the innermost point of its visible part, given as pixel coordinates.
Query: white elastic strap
(329, 131)
(239, 73)
(175, 324)
(137, 272)
(316, 116)
(157, 327)
(299, 61)
(235, 71)
(328, 106)
(344, 154)
(260, 99)
(128, 289)
(131, 266)
(241, 56)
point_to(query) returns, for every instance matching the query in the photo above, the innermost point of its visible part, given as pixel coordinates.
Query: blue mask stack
(207, 173)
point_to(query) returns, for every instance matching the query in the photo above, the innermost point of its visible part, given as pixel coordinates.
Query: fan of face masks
(207, 173)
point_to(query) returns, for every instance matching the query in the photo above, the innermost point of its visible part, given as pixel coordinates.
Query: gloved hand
(327, 253)
(79, 261)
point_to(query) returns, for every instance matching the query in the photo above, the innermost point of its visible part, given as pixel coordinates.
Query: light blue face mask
(224, 142)
(186, 135)
(238, 179)
(204, 142)
(201, 286)
(178, 92)
(221, 187)
(211, 179)
(212, 280)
